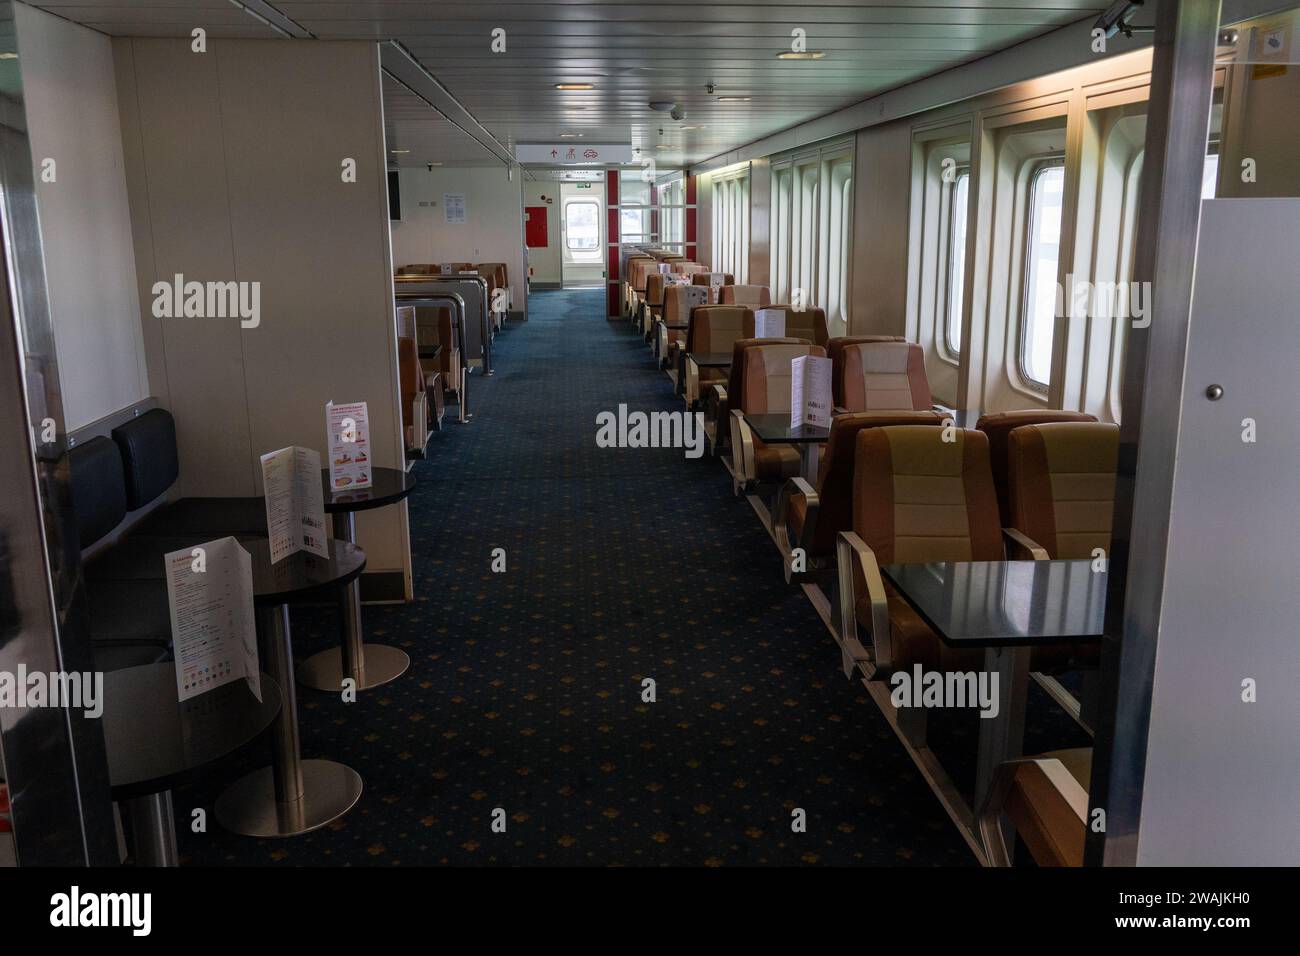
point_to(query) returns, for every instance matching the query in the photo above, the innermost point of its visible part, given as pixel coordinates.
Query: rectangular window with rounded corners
(582, 226)
(958, 197)
(1042, 255)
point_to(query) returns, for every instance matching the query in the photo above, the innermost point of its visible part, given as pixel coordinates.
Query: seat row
(899, 481)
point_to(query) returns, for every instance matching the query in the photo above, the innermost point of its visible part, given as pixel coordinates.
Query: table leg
(369, 665)
(1002, 737)
(809, 458)
(292, 795)
(153, 830)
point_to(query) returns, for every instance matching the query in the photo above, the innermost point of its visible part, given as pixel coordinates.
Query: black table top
(155, 742)
(710, 359)
(387, 486)
(1005, 603)
(776, 428)
(302, 575)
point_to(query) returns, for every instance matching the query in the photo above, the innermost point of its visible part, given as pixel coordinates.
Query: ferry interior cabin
(634, 434)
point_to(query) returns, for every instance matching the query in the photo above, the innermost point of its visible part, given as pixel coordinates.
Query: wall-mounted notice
(214, 637)
(769, 323)
(453, 208)
(810, 391)
(295, 504)
(349, 445)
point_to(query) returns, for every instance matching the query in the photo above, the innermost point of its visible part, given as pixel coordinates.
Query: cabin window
(731, 223)
(837, 231)
(581, 226)
(958, 196)
(1042, 254)
(812, 230)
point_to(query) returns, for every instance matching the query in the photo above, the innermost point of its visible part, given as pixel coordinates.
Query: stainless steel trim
(1178, 127)
(53, 757)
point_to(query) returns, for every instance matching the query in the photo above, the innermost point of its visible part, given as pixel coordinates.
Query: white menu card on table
(769, 323)
(210, 599)
(349, 445)
(295, 504)
(810, 391)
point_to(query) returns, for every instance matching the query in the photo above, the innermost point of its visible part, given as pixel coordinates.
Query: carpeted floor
(525, 687)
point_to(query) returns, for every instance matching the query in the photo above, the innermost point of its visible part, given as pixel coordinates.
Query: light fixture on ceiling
(733, 99)
(684, 128)
(574, 86)
(662, 106)
(8, 56)
(431, 164)
(570, 136)
(805, 55)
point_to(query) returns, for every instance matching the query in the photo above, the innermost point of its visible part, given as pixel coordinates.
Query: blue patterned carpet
(524, 691)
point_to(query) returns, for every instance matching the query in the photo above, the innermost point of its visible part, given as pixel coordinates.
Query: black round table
(155, 742)
(367, 665)
(292, 795)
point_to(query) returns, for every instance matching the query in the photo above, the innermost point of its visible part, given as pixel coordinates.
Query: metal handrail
(457, 303)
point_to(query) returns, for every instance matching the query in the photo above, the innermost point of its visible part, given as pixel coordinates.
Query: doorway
(582, 234)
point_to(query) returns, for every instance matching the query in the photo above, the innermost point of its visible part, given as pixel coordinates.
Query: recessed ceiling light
(435, 164)
(574, 86)
(570, 135)
(733, 99)
(665, 146)
(8, 56)
(399, 152)
(808, 55)
(690, 127)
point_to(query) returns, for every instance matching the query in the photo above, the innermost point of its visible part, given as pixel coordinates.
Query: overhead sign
(575, 154)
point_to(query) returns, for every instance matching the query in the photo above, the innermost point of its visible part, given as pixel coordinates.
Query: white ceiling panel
(631, 51)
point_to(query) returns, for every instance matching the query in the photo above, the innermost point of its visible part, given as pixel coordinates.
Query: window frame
(1037, 168)
(962, 171)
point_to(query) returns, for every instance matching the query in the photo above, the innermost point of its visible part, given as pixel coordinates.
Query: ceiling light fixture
(399, 152)
(574, 86)
(733, 99)
(806, 55)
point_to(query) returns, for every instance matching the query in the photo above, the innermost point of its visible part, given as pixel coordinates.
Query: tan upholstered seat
(1062, 485)
(1046, 800)
(705, 277)
(751, 295)
(411, 384)
(835, 352)
(835, 478)
(765, 389)
(714, 328)
(918, 498)
(679, 300)
(653, 304)
(807, 324)
(998, 427)
(883, 376)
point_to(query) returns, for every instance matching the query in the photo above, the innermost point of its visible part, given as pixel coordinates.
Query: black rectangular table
(776, 429)
(1007, 608)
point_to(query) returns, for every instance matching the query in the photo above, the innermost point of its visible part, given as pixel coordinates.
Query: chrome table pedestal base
(250, 807)
(292, 795)
(153, 830)
(368, 665)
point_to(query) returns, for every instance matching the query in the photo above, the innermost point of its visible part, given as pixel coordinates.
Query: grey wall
(72, 116)
(233, 161)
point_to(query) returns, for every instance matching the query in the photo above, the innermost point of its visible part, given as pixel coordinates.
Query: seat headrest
(149, 457)
(98, 489)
